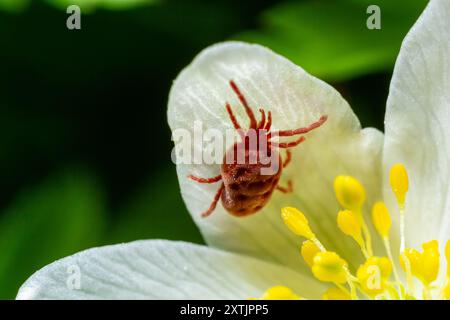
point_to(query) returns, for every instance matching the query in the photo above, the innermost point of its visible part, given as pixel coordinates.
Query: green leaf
(56, 218)
(86, 6)
(156, 211)
(330, 39)
(91, 5)
(14, 5)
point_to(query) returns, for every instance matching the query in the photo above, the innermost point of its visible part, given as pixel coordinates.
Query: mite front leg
(312, 126)
(233, 119)
(287, 189)
(285, 145)
(205, 180)
(269, 121)
(244, 102)
(288, 158)
(262, 122)
(213, 205)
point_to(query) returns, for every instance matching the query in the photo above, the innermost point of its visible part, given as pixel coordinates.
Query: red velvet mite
(244, 190)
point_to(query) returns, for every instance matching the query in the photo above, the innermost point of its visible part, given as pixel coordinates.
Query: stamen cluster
(377, 277)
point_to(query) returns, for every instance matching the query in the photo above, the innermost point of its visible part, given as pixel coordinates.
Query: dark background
(84, 142)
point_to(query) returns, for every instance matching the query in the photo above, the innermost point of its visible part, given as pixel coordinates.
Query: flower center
(377, 277)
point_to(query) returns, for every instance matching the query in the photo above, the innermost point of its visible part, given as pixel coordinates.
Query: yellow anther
(329, 267)
(381, 219)
(373, 274)
(447, 256)
(280, 293)
(430, 261)
(413, 257)
(425, 265)
(349, 192)
(398, 179)
(335, 294)
(414, 260)
(296, 222)
(309, 250)
(446, 291)
(351, 195)
(349, 224)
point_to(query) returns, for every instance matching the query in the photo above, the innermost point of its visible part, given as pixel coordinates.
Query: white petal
(296, 99)
(160, 269)
(418, 124)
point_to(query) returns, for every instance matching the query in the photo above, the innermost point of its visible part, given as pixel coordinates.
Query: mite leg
(214, 203)
(286, 145)
(269, 121)
(263, 119)
(205, 180)
(244, 102)
(287, 189)
(312, 126)
(233, 119)
(288, 158)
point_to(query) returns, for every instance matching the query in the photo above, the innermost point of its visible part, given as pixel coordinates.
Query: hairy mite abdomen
(246, 189)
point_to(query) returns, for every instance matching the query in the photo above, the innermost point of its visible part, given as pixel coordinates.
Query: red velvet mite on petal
(244, 189)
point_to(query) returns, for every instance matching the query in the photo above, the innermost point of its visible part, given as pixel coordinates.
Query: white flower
(249, 255)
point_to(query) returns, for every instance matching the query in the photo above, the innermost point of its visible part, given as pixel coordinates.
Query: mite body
(244, 189)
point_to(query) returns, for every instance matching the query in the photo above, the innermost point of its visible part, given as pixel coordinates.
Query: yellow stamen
(447, 256)
(350, 225)
(381, 219)
(335, 294)
(413, 257)
(366, 232)
(405, 263)
(398, 179)
(446, 291)
(387, 246)
(329, 267)
(309, 250)
(430, 261)
(349, 192)
(352, 286)
(296, 221)
(280, 293)
(425, 265)
(373, 275)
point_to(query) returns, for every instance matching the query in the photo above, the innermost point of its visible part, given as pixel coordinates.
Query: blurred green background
(84, 144)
